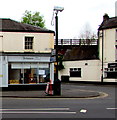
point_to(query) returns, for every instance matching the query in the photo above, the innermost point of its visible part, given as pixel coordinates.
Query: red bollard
(49, 88)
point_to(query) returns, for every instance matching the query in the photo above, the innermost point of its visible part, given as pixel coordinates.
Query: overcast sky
(76, 14)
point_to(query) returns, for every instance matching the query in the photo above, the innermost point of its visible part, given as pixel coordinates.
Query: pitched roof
(8, 25)
(81, 53)
(109, 23)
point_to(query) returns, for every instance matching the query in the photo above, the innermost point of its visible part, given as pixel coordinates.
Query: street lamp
(57, 90)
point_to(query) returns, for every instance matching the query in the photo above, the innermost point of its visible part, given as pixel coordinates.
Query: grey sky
(76, 13)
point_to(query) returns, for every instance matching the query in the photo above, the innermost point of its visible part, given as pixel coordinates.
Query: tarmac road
(62, 107)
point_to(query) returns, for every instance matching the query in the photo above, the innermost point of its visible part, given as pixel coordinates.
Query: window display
(18, 75)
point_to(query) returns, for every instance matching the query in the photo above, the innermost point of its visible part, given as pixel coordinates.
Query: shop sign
(31, 58)
(53, 52)
(41, 72)
(112, 65)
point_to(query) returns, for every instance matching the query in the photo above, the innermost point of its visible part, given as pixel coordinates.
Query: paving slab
(68, 90)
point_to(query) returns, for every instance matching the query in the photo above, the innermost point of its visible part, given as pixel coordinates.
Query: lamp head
(57, 8)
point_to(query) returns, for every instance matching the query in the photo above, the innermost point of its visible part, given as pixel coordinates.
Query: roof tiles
(8, 25)
(108, 24)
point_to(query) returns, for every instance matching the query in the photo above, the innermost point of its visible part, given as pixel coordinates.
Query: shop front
(110, 72)
(21, 69)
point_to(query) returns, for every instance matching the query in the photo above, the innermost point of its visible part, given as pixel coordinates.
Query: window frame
(75, 72)
(28, 42)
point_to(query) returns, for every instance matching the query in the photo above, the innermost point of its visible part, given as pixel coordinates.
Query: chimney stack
(105, 17)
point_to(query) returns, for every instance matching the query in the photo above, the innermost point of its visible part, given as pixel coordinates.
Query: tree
(33, 18)
(87, 35)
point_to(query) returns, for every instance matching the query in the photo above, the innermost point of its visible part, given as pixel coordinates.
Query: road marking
(83, 111)
(111, 108)
(38, 112)
(35, 109)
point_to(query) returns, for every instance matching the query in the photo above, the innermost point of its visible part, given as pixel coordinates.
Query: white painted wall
(116, 47)
(1, 74)
(14, 42)
(109, 36)
(110, 80)
(110, 52)
(1, 39)
(3, 71)
(90, 72)
(109, 45)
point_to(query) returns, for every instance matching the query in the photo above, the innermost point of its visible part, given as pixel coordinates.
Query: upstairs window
(29, 43)
(75, 72)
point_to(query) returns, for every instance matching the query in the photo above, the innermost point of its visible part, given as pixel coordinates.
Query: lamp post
(57, 87)
(56, 27)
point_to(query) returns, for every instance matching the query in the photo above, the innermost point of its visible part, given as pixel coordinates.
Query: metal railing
(77, 42)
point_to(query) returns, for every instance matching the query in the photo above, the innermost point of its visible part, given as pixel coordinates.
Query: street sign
(53, 52)
(53, 59)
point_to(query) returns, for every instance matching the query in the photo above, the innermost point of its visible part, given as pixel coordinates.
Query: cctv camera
(56, 8)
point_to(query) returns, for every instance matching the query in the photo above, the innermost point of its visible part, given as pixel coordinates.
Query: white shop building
(25, 52)
(86, 67)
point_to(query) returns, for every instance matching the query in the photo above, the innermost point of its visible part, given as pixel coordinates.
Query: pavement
(68, 90)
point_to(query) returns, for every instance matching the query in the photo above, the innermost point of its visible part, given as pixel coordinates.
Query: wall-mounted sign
(53, 59)
(31, 58)
(112, 65)
(41, 72)
(53, 52)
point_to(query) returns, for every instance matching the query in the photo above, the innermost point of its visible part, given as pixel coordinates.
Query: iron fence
(77, 42)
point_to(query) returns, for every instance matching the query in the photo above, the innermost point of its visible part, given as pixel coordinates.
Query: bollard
(57, 87)
(50, 92)
(49, 88)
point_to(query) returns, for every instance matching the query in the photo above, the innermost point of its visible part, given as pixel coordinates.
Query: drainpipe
(102, 56)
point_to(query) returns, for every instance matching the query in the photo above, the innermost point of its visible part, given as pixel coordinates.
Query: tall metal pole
(57, 83)
(56, 18)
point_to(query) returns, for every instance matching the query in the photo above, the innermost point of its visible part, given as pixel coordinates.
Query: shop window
(30, 73)
(112, 75)
(111, 72)
(75, 72)
(29, 43)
